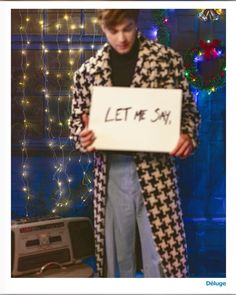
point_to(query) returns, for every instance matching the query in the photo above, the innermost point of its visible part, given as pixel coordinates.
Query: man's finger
(175, 150)
(86, 135)
(182, 148)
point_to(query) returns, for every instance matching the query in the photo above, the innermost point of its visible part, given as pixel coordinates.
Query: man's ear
(103, 28)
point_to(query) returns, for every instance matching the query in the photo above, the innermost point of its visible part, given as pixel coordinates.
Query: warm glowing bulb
(41, 22)
(59, 183)
(27, 65)
(71, 62)
(27, 19)
(23, 52)
(28, 42)
(47, 72)
(59, 51)
(73, 27)
(81, 26)
(94, 20)
(24, 189)
(66, 17)
(58, 26)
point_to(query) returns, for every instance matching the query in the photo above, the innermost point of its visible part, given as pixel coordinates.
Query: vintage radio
(61, 241)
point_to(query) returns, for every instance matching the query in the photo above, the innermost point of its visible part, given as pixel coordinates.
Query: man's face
(121, 37)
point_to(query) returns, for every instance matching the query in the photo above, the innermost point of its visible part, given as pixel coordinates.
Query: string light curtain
(58, 41)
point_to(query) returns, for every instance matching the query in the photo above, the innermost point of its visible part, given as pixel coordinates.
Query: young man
(135, 188)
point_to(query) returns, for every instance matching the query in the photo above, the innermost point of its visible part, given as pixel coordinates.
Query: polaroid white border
(10, 285)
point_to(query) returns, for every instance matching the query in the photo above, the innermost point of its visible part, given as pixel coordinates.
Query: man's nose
(121, 37)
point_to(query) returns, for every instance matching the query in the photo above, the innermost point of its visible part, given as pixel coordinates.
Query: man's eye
(130, 28)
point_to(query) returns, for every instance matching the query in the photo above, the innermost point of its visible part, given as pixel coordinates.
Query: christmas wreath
(206, 51)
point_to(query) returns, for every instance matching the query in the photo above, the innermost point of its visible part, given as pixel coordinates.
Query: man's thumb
(85, 120)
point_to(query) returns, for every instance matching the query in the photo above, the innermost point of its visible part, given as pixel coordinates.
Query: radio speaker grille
(82, 240)
(36, 261)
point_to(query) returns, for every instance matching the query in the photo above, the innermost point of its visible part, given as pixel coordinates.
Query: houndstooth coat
(157, 67)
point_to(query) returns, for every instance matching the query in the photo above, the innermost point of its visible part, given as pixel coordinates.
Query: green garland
(163, 35)
(195, 78)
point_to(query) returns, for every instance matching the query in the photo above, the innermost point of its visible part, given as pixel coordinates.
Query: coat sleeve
(80, 105)
(190, 115)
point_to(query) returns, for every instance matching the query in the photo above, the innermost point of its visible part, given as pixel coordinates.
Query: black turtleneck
(123, 65)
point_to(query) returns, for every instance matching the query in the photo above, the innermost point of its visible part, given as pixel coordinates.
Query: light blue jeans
(125, 208)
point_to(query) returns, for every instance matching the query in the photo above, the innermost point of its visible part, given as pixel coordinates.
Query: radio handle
(50, 264)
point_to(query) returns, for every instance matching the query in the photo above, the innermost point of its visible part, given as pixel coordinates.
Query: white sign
(135, 119)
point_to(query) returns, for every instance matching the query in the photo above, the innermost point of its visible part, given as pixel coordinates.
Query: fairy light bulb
(94, 20)
(58, 26)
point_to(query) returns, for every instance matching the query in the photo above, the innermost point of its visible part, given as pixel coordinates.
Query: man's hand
(184, 147)
(87, 136)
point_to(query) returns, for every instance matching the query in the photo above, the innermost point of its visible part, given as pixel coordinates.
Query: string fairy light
(64, 192)
(25, 102)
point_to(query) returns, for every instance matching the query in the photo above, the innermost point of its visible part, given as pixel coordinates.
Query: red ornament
(209, 48)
